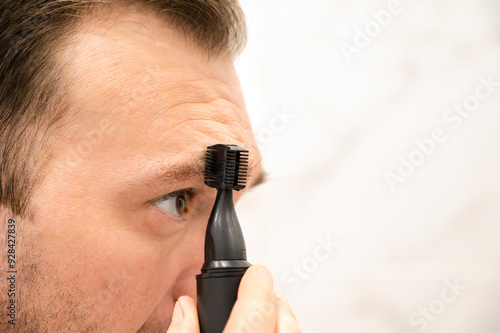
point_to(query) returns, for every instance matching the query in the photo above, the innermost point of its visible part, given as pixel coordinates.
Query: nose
(191, 256)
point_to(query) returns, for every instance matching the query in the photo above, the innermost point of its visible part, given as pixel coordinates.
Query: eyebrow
(261, 178)
(196, 167)
(184, 170)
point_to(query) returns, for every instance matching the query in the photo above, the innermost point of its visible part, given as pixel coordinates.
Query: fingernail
(264, 272)
(178, 316)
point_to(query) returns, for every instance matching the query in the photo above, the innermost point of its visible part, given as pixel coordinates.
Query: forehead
(156, 88)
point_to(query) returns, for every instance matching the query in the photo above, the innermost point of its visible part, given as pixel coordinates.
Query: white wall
(397, 248)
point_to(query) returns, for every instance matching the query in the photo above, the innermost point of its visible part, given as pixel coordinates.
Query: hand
(257, 309)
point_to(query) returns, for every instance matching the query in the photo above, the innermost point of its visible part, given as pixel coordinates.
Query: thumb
(185, 317)
(255, 307)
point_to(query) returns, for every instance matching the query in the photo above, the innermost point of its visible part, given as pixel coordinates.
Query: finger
(255, 308)
(286, 322)
(185, 317)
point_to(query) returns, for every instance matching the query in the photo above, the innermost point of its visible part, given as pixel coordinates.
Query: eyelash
(186, 191)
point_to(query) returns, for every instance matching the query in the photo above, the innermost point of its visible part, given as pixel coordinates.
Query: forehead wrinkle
(195, 91)
(181, 99)
(205, 114)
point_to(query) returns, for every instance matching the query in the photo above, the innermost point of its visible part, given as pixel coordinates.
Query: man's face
(145, 103)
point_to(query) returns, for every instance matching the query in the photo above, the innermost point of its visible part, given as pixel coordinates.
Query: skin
(99, 255)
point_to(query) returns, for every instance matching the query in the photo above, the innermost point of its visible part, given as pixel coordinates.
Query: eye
(175, 203)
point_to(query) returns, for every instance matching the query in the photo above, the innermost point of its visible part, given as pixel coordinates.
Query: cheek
(117, 264)
(133, 276)
(107, 269)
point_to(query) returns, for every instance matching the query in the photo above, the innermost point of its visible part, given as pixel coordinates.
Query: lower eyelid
(166, 215)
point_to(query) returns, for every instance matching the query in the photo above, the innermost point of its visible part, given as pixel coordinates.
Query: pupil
(180, 204)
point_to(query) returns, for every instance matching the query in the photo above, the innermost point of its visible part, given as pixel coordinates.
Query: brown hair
(31, 96)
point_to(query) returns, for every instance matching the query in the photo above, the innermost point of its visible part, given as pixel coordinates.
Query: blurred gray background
(379, 125)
